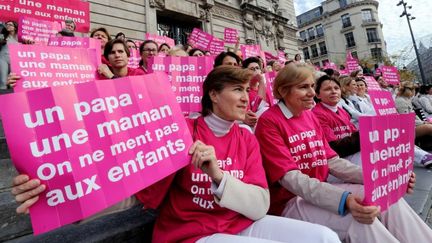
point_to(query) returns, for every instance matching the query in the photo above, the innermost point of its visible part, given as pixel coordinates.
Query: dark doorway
(176, 28)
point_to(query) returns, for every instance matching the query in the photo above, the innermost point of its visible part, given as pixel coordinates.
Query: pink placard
(230, 35)
(250, 51)
(160, 39)
(134, 58)
(117, 137)
(330, 65)
(382, 102)
(269, 56)
(387, 152)
(281, 57)
(351, 63)
(344, 72)
(49, 10)
(216, 46)
(200, 39)
(186, 75)
(372, 84)
(47, 66)
(390, 74)
(77, 42)
(37, 30)
(270, 76)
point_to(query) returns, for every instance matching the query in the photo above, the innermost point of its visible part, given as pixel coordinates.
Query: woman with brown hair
(226, 166)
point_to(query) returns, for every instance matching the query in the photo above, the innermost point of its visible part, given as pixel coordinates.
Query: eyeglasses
(9, 24)
(150, 50)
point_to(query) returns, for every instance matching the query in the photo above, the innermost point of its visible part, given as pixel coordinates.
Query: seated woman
(341, 134)
(425, 99)
(362, 98)
(298, 159)
(404, 105)
(226, 165)
(349, 99)
(257, 95)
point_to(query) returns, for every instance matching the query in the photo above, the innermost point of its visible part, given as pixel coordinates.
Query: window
(303, 35)
(376, 53)
(311, 33)
(354, 54)
(367, 15)
(346, 21)
(349, 37)
(323, 48)
(314, 50)
(319, 30)
(372, 35)
(343, 3)
(306, 53)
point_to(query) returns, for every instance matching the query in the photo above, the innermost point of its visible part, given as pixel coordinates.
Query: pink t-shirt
(190, 212)
(297, 143)
(336, 125)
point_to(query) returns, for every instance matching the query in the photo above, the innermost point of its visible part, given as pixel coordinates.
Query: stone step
(132, 225)
(421, 200)
(7, 172)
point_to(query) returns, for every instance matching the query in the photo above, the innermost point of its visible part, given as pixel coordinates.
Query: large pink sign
(351, 63)
(200, 39)
(159, 39)
(187, 75)
(134, 58)
(372, 84)
(46, 66)
(330, 65)
(390, 74)
(50, 10)
(230, 35)
(250, 51)
(77, 42)
(387, 151)
(270, 76)
(94, 144)
(382, 102)
(37, 30)
(216, 46)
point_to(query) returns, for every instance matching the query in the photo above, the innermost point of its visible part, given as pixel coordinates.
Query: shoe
(427, 161)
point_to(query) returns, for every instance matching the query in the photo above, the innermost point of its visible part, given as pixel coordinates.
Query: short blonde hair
(289, 76)
(404, 86)
(345, 81)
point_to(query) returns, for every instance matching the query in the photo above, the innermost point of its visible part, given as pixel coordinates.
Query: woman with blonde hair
(297, 159)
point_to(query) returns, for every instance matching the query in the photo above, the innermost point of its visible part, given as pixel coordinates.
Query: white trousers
(398, 224)
(277, 229)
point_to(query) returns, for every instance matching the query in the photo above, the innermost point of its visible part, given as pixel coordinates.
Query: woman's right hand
(12, 79)
(26, 192)
(362, 214)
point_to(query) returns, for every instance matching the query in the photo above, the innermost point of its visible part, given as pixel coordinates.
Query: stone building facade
(329, 31)
(426, 61)
(270, 23)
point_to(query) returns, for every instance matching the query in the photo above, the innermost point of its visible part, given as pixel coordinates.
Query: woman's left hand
(411, 183)
(204, 157)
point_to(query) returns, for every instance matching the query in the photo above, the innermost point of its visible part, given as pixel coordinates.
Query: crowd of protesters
(279, 198)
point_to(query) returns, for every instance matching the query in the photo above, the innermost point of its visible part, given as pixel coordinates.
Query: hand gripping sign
(387, 152)
(94, 144)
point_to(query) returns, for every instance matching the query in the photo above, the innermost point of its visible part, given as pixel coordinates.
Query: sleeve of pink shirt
(276, 156)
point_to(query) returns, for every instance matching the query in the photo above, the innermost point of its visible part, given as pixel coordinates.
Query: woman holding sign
(222, 195)
(298, 159)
